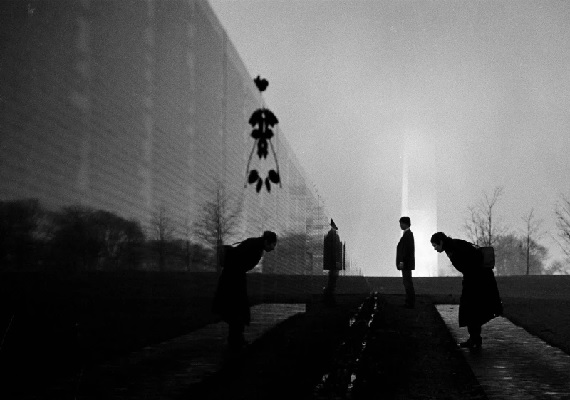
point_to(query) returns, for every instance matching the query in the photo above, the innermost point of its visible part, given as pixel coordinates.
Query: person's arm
(474, 258)
(466, 257)
(400, 254)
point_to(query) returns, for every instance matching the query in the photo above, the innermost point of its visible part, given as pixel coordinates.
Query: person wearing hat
(406, 261)
(480, 300)
(332, 261)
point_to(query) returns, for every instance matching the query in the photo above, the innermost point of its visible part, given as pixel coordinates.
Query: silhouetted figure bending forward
(480, 301)
(231, 301)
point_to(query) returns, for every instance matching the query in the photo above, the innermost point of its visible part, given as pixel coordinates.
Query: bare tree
(162, 231)
(474, 225)
(531, 234)
(218, 222)
(482, 226)
(510, 256)
(562, 212)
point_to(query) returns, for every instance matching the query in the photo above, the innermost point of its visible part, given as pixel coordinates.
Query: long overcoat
(332, 251)
(231, 301)
(480, 300)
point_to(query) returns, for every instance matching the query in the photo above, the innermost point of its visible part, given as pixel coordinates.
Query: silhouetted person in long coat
(332, 261)
(231, 301)
(480, 300)
(406, 260)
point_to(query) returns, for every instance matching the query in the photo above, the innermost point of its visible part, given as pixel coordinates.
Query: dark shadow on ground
(287, 361)
(409, 355)
(54, 328)
(412, 355)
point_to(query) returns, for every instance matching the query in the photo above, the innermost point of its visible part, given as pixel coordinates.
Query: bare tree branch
(162, 225)
(562, 213)
(218, 221)
(474, 225)
(483, 226)
(162, 230)
(531, 235)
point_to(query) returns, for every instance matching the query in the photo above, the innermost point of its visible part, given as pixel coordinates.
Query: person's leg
(475, 333)
(475, 340)
(331, 286)
(333, 276)
(409, 286)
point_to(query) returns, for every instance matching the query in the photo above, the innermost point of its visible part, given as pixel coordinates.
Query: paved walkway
(512, 363)
(165, 370)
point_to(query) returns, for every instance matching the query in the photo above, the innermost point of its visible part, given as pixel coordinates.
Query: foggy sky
(487, 81)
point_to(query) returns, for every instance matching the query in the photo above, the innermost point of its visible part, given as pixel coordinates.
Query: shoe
(472, 343)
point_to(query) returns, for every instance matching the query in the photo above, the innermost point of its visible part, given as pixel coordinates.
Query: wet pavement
(513, 364)
(167, 369)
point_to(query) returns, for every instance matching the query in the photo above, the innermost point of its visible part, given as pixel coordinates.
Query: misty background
(487, 82)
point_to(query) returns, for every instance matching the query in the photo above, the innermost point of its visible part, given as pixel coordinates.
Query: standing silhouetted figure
(480, 300)
(406, 260)
(231, 301)
(332, 261)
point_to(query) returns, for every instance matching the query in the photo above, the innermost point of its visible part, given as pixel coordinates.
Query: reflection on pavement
(512, 363)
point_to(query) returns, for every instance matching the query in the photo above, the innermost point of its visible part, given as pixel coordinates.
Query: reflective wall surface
(125, 131)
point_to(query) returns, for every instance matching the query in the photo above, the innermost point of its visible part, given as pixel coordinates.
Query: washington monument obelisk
(419, 198)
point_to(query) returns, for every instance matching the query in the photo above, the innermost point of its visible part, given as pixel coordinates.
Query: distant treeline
(78, 238)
